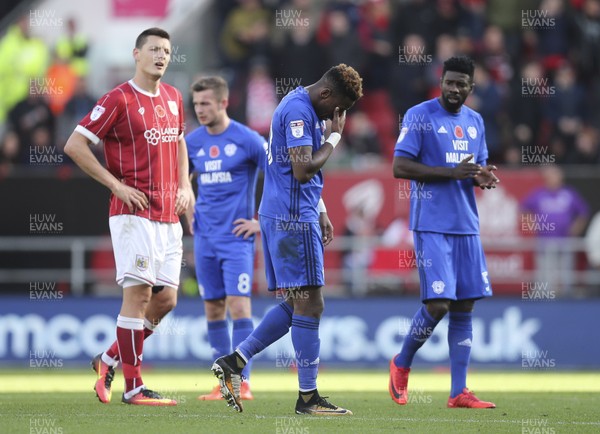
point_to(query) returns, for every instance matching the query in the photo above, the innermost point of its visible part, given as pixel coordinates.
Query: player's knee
(438, 308)
(462, 306)
(311, 306)
(168, 301)
(239, 307)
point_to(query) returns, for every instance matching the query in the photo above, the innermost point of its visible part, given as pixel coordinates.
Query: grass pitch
(62, 401)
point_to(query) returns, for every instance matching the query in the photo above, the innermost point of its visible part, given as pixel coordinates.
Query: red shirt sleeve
(97, 123)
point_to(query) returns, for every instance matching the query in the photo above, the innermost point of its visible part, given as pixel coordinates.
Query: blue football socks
(218, 337)
(305, 337)
(242, 328)
(274, 325)
(421, 327)
(460, 338)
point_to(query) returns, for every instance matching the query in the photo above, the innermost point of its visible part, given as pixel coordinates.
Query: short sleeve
(190, 143)
(298, 127)
(257, 148)
(482, 154)
(410, 140)
(97, 123)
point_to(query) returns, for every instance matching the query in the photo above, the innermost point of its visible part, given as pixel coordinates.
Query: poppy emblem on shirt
(160, 111)
(214, 151)
(458, 132)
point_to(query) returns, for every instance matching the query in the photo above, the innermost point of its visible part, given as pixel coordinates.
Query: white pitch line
(383, 419)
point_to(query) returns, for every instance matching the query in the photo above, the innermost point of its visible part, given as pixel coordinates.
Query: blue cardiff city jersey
(294, 123)
(227, 166)
(435, 137)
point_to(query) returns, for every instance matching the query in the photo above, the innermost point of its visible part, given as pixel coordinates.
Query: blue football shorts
(451, 266)
(293, 253)
(224, 266)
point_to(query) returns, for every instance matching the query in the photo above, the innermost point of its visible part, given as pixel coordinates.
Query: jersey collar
(142, 91)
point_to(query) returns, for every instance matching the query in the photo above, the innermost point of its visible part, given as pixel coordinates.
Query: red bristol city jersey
(140, 133)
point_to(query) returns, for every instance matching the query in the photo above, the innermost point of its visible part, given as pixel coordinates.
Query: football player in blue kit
(225, 157)
(442, 150)
(294, 229)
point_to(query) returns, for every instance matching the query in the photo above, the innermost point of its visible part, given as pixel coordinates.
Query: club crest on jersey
(97, 112)
(160, 111)
(214, 151)
(472, 132)
(458, 132)
(438, 286)
(141, 262)
(297, 128)
(141, 111)
(173, 108)
(230, 149)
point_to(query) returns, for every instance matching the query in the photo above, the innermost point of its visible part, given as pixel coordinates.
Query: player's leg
(134, 267)
(275, 324)
(240, 310)
(238, 272)
(472, 284)
(212, 290)
(130, 335)
(164, 241)
(304, 272)
(111, 356)
(438, 286)
(277, 321)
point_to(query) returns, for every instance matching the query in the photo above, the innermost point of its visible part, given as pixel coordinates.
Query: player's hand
(132, 197)
(184, 200)
(189, 215)
(465, 169)
(487, 178)
(326, 228)
(338, 121)
(245, 227)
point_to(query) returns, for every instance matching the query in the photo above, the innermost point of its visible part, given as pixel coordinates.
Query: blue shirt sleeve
(410, 140)
(257, 148)
(188, 142)
(298, 126)
(482, 155)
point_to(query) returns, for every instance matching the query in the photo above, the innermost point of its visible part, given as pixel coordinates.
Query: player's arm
(189, 211)
(325, 224)
(409, 169)
(78, 149)
(257, 153)
(185, 194)
(305, 163)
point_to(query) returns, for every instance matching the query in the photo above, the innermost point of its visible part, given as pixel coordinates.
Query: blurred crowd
(537, 76)
(44, 94)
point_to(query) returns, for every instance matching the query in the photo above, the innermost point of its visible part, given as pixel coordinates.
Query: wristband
(334, 139)
(321, 206)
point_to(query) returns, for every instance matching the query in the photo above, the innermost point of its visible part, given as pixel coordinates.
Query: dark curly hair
(344, 79)
(461, 64)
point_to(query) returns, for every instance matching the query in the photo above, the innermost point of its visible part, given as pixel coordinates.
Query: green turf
(62, 402)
